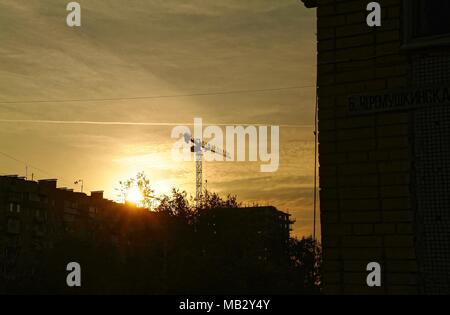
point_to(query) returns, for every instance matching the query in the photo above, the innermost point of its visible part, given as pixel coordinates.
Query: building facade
(263, 232)
(41, 226)
(384, 140)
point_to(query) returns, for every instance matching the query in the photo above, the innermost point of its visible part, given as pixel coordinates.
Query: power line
(25, 163)
(28, 165)
(160, 96)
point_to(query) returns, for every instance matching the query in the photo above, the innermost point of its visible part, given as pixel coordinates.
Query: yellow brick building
(384, 139)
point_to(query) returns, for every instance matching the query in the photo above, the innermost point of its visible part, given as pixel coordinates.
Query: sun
(134, 195)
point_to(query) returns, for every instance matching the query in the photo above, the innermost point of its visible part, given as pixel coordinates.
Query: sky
(126, 50)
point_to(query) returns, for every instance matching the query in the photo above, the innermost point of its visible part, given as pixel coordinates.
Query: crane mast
(198, 147)
(198, 174)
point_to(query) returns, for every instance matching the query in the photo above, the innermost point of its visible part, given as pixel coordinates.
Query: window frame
(409, 42)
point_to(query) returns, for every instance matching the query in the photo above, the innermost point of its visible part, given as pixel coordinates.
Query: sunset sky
(129, 49)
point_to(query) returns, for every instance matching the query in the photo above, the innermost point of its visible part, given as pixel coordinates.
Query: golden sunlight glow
(161, 187)
(134, 195)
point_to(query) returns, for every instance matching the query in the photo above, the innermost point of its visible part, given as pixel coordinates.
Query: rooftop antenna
(80, 181)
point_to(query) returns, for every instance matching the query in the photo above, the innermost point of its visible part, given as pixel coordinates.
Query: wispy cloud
(130, 123)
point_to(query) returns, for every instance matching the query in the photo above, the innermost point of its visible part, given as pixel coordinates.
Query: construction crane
(198, 147)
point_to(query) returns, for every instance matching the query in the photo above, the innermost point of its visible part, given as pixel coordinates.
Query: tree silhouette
(306, 260)
(142, 184)
(213, 262)
(178, 203)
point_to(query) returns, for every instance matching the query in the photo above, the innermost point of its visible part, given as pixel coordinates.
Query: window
(33, 197)
(426, 23)
(14, 207)
(10, 252)
(13, 226)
